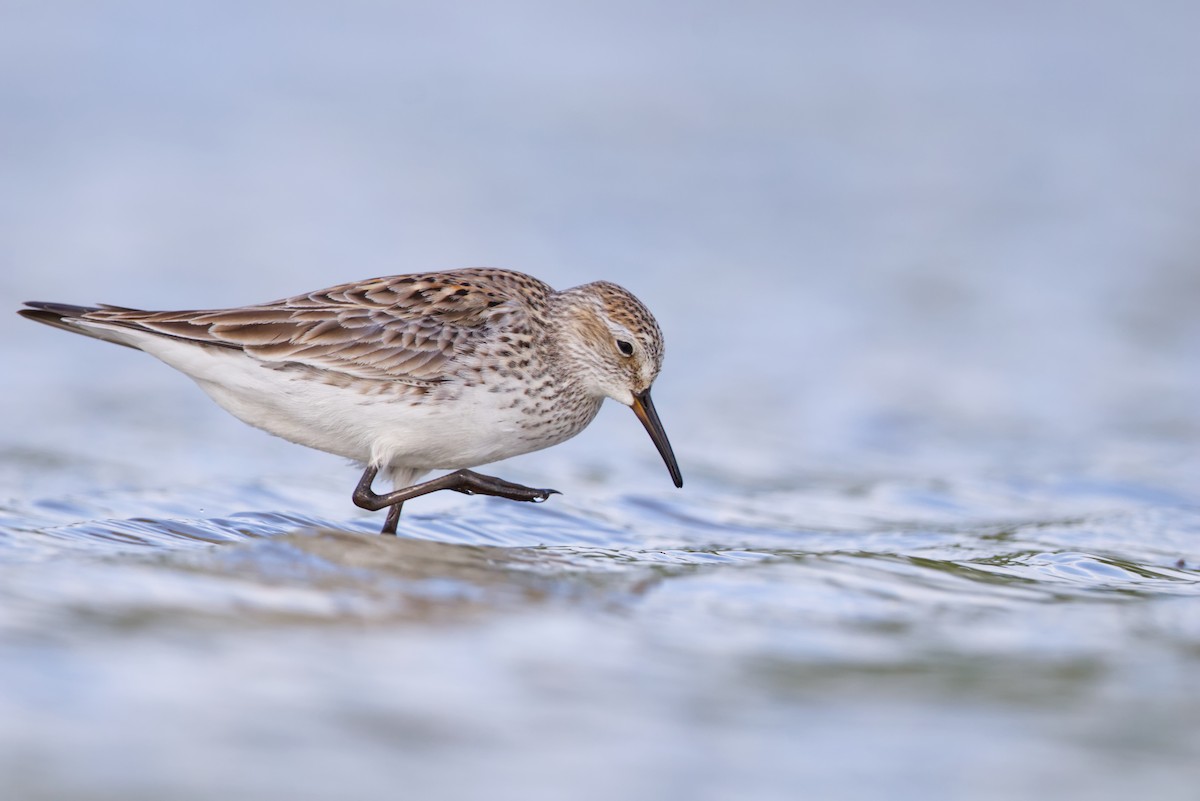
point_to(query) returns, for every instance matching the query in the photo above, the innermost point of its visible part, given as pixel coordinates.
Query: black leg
(464, 481)
(393, 518)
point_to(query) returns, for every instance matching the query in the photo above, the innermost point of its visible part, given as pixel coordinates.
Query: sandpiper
(411, 373)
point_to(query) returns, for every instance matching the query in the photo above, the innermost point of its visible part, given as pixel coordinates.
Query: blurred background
(928, 274)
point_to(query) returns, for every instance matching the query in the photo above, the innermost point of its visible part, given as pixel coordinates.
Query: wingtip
(66, 317)
(58, 309)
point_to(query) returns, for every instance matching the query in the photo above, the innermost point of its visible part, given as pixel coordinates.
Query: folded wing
(414, 329)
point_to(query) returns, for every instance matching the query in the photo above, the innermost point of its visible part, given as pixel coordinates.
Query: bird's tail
(74, 319)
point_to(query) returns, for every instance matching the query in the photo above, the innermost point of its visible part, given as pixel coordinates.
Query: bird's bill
(643, 407)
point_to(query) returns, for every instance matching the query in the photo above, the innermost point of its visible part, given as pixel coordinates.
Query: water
(928, 277)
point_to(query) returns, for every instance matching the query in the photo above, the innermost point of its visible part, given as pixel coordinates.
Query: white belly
(474, 428)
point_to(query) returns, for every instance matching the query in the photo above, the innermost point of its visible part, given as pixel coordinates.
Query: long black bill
(643, 407)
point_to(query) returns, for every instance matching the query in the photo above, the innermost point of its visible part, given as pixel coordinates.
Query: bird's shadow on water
(370, 577)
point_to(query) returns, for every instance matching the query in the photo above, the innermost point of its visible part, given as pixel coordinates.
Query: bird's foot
(472, 483)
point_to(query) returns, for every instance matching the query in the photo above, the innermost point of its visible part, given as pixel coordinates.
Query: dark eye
(626, 348)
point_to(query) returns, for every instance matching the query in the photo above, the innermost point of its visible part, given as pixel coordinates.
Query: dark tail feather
(62, 315)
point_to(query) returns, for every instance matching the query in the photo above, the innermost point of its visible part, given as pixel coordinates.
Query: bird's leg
(393, 518)
(464, 481)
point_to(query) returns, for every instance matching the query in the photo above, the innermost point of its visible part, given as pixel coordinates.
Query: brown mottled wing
(414, 329)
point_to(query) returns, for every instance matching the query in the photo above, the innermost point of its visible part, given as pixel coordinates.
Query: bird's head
(616, 350)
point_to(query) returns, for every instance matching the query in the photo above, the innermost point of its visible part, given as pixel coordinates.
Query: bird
(410, 374)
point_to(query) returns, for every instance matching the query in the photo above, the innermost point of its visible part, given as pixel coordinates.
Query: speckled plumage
(409, 373)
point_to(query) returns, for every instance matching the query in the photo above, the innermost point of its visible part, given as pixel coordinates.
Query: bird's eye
(626, 348)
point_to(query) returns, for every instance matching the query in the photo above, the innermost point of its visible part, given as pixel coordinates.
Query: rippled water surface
(928, 280)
